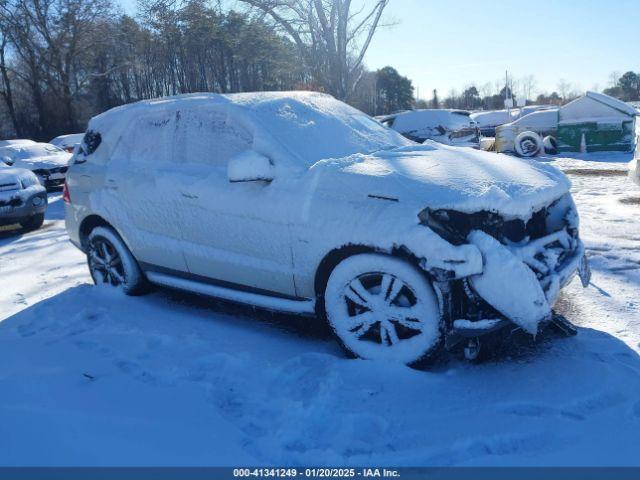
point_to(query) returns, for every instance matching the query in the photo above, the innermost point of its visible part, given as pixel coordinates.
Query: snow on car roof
(613, 103)
(308, 125)
(417, 120)
(541, 118)
(494, 118)
(31, 150)
(68, 139)
(16, 141)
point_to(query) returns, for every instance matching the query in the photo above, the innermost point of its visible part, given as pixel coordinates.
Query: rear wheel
(383, 308)
(111, 262)
(34, 222)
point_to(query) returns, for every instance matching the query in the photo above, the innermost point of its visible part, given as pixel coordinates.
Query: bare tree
(51, 37)
(528, 85)
(7, 91)
(332, 36)
(564, 89)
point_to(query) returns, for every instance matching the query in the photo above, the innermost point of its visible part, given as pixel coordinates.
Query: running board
(277, 304)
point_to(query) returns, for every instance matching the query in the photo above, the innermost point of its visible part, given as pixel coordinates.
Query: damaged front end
(525, 264)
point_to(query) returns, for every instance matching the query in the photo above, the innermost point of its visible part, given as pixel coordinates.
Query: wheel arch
(88, 224)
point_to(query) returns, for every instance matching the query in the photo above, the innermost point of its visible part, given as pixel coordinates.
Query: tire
(383, 308)
(528, 144)
(34, 222)
(550, 145)
(111, 263)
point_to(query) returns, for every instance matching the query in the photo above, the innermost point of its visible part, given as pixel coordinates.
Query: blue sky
(449, 44)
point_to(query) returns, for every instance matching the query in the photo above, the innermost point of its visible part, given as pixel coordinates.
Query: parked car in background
(543, 123)
(488, 121)
(68, 142)
(47, 161)
(296, 202)
(451, 127)
(22, 199)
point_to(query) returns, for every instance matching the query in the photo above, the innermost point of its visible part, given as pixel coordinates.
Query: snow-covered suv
(296, 202)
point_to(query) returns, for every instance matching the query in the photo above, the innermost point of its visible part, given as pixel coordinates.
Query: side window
(206, 136)
(151, 138)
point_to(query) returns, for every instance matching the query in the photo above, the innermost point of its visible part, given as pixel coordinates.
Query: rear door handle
(111, 184)
(189, 195)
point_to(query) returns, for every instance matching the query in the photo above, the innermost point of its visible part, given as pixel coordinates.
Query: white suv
(296, 202)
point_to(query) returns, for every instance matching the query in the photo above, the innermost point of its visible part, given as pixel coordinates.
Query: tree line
(63, 61)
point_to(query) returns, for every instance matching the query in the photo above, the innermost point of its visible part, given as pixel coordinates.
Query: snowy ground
(90, 377)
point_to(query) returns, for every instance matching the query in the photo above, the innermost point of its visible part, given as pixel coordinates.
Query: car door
(140, 196)
(234, 233)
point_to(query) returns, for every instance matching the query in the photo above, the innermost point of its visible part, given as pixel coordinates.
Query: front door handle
(189, 195)
(111, 184)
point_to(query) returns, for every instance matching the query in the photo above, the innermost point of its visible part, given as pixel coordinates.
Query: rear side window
(91, 141)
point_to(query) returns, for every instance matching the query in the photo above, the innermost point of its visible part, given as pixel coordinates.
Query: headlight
(440, 222)
(562, 214)
(37, 201)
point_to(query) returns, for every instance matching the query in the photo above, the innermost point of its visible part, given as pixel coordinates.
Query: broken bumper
(522, 283)
(19, 208)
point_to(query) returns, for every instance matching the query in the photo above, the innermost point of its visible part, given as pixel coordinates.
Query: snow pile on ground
(90, 377)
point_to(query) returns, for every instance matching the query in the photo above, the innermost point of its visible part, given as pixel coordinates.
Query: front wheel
(383, 308)
(34, 222)
(111, 262)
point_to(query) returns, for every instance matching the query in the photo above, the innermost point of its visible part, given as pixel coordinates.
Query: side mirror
(250, 166)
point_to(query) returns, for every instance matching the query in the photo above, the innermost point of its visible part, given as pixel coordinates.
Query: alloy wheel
(105, 263)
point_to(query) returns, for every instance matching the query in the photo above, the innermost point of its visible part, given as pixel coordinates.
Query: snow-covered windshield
(316, 127)
(24, 152)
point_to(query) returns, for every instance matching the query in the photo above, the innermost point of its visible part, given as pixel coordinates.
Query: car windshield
(31, 151)
(321, 127)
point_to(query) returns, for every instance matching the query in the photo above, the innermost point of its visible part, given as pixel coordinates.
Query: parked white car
(68, 142)
(299, 203)
(47, 161)
(22, 199)
(543, 123)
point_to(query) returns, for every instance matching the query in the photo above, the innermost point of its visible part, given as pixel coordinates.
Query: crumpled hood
(46, 162)
(439, 176)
